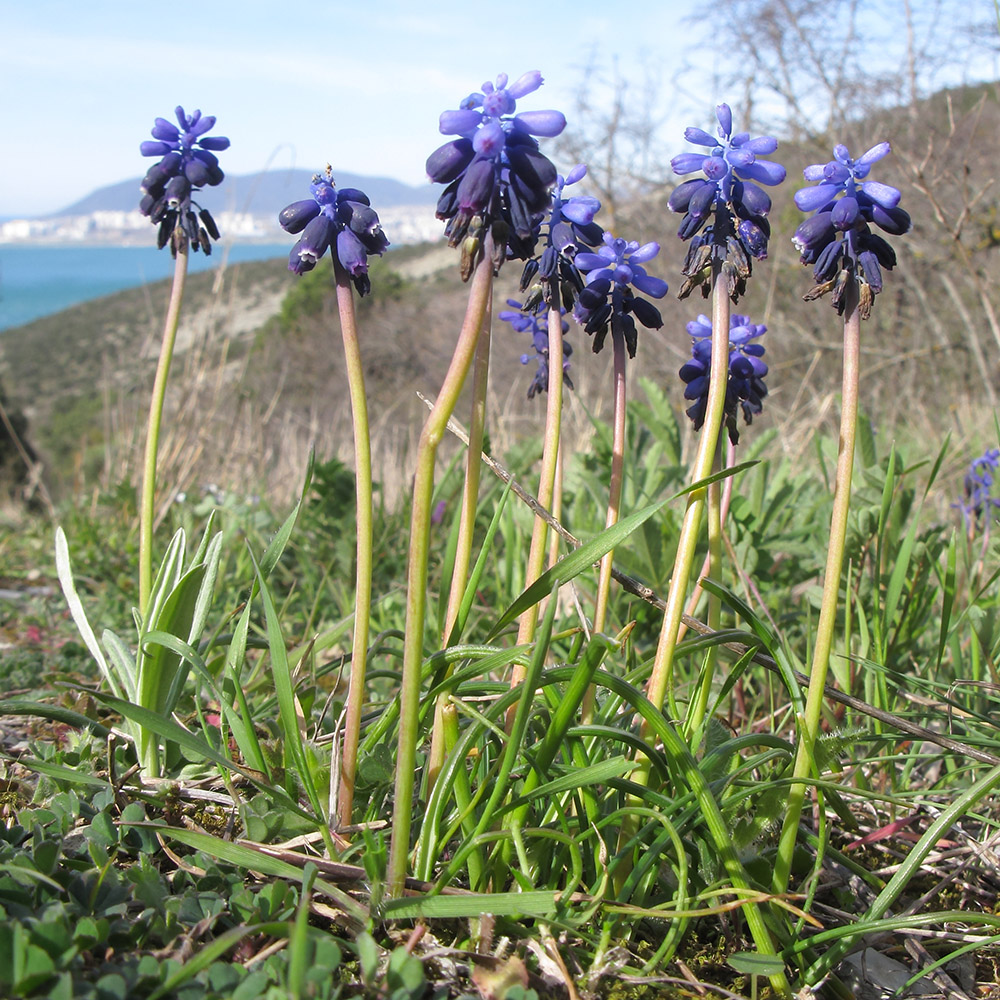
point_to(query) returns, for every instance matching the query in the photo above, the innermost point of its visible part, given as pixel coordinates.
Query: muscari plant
(176, 602)
(343, 222)
(503, 199)
(847, 259)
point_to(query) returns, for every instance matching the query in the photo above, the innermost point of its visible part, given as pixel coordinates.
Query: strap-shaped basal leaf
(65, 573)
(167, 577)
(243, 733)
(209, 557)
(158, 666)
(570, 566)
(124, 683)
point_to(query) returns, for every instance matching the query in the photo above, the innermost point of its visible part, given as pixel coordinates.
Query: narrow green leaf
(125, 683)
(571, 565)
(167, 729)
(534, 903)
(210, 560)
(235, 657)
(947, 599)
(71, 775)
(17, 706)
(253, 859)
(216, 949)
(715, 478)
(477, 570)
(751, 964)
(281, 673)
(866, 442)
(593, 655)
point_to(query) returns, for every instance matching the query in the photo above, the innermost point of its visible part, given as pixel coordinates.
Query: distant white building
(402, 223)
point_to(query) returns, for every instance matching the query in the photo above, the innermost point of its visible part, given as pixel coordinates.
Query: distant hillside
(262, 193)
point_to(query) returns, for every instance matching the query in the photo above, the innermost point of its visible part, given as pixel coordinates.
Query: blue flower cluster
(496, 176)
(535, 322)
(569, 227)
(980, 481)
(837, 240)
(729, 194)
(608, 299)
(188, 163)
(745, 388)
(341, 221)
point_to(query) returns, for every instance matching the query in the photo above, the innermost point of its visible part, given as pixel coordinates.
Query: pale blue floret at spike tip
(724, 210)
(496, 176)
(340, 220)
(837, 240)
(188, 163)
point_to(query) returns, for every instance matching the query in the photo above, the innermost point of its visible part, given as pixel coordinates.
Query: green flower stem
(706, 566)
(614, 502)
(546, 482)
(466, 528)
(617, 476)
(473, 466)
(416, 592)
(698, 707)
(660, 686)
(153, 430)
(557, 493)
(363, 575)
(809, 724)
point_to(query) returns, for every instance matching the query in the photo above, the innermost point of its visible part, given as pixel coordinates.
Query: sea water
(36, 281)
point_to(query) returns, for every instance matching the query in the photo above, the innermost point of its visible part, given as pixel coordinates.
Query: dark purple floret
(608, 301)
(186, 165)
(496, 175)
(745, 389)
(837, 240)
(535, 322)
(342, 221)
(724, 211)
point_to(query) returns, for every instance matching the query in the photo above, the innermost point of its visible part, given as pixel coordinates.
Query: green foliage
(243, 685)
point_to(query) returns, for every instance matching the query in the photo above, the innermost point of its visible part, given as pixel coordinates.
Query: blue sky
(357, 84)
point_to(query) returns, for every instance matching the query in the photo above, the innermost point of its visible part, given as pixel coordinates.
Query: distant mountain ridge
(262, 193)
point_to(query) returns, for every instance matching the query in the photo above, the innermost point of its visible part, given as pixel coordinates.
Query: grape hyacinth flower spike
(536, 323)
(725, 211)
(188, 163)
(496, 176)
(980, 504)
(837, 239)
(568, 228)
(609, 300)
(341, 221)
(745, 389)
